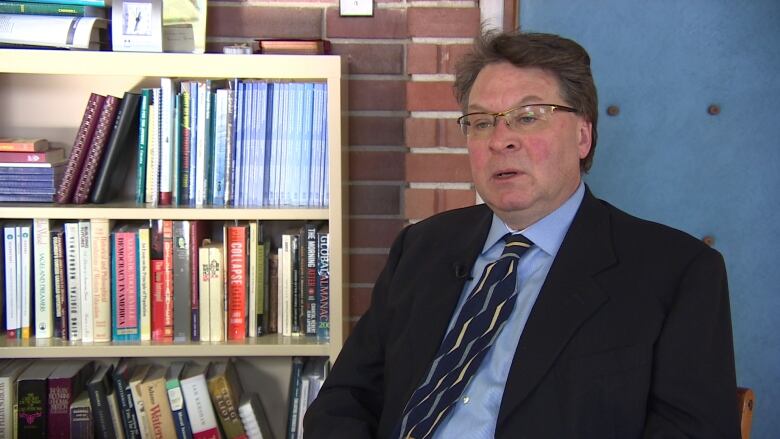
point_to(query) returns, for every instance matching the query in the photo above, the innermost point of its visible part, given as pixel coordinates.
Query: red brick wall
(407, 157)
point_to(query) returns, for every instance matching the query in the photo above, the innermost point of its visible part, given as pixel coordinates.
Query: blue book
(259, 133)
(250, 143)
(271, 91)
(176, 399)
(240, 135)
(125, 295)
(304, 180)
(323, 285)
(220, 147)
(319, 145)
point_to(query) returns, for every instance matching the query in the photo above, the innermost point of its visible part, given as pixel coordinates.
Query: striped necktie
(478, 324)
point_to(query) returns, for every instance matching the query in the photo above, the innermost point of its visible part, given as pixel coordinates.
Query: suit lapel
(439, 296)
(568, 297)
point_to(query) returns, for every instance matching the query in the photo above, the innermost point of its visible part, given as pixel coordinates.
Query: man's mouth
(505, 174)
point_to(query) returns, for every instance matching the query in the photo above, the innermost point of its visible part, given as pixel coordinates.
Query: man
(612, 327)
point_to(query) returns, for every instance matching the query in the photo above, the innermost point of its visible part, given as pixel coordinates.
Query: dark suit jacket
(630, 336)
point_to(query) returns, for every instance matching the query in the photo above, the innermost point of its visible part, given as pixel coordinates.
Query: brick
(377, 95)
(375, 200)
(443, 22)
(433, 59)
(264, 22)
(365, 268)
(376, 131)
(386, 23)
(422, 203)
(378, 59)
(421, 133)
(373, 232)
(359, 301)
(435, 168)
(376, 166)
(430, 96)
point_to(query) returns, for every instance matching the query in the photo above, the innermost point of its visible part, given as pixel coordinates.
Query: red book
(79, 151)
(54, 155)
(158, 303)
(237, 281)
(168, 279)
(23, 145)
(94, 155)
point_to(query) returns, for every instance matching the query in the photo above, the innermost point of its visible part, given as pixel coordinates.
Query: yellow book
(156, 405)
(101, 279)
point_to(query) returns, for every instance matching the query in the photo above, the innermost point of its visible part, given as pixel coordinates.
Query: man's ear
(585, 138)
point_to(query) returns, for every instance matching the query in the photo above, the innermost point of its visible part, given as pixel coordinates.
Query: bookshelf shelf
(43, 94)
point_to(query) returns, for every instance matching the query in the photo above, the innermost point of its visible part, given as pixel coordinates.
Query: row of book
(167, 281)
(81, 398)
(233, 143)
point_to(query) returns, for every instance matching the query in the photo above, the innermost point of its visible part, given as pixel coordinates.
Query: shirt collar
(548, 232)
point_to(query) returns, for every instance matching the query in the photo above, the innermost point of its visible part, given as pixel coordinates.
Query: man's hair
(564, 58)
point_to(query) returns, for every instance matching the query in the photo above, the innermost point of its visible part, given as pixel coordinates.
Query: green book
(143, 143)
(34, 8)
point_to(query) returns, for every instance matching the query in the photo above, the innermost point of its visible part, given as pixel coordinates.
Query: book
(143, 145)
(24, 246)
(176, 399)
(66, 382)
(86, 281)
(60, 298)
(53, 31)
(80, 145)
(81, 425)
(134, 383)
(97, 146)
(323, 285)
(253, 417)
(167, 293)
(9, 372)
(100, 390)
(144, 281)
(197, 402)
(156, 405)
(32, 398)
(198, 232)
(204, 298)
(182, 286)
(34, 8)
(237, 255)
(167, 125)
(119, 152)
(294, 46)
(11, 144)
(100, 238)
(294, 398)
(72, 274)
(13, 303)
(125, 324)
(93, 3)
(53, 155)
(42, 260)
(120, 378)
(225, 390)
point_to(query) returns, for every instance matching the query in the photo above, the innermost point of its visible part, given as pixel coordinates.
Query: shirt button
(465, 400)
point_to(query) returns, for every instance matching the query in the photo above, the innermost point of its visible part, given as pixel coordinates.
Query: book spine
(143, 145)
(262, 289)
(81, 423)
(197, 235)
(237, 272)
(28, 8)
(156, 405)
(24, 241)
(186, 147)
(98, 398)
(101, 278)
(153, 150)
(79, 151)
(11, 304)
(168, 279)
(44, 308)
(125, 287)
(203, 293)
(285, 285)
(86, 282)
(252, 278)
(32, 411)
(120, 149)
(58, 281)
(226, 407)
(294, 397)
(216, 294)
(144, 283)
(60, 396)
(181, 421)
(127, 410)
(200, 411)
(105, 125)
(311, 280)
(166, 140)
(53, 155)
(158, 302)
(95, 3)
(323, 285)
(72, 281)
(182, 300)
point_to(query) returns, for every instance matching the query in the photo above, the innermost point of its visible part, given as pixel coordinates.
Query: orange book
(236, 250)
(23, 145)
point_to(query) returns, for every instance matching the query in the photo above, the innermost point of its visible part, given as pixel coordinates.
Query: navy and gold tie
(483, 315)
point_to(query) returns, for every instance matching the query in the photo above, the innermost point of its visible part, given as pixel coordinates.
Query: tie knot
(516, 244)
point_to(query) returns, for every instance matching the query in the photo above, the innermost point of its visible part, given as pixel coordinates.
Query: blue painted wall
(666, 159)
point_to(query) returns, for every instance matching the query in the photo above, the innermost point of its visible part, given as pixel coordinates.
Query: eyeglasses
(525, 120)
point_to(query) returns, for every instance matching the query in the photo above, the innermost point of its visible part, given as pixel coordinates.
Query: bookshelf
(43, 94)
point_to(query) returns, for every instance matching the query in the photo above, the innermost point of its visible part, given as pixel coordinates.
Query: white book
(203, 419)
(44, 291)
(24, 247)
(286, 286)
(85, 282)
(12, 302)
(253, 417)
(167, 96)
(204, 297)
(100, 231)
(72, 280)
(217, 308)
(278, 292)
(153, 151)
(252, 273)
(145, 282)
(52, 31)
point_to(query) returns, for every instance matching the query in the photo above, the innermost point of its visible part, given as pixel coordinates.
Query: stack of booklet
(71, 24)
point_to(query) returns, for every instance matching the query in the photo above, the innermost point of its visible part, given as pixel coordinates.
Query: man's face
(524, 177)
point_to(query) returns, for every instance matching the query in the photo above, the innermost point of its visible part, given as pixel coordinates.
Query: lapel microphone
(461, 270)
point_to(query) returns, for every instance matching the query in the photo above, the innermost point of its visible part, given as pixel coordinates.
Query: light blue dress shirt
(475, 414)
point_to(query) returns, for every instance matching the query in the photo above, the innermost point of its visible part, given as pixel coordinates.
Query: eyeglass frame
(553, 108)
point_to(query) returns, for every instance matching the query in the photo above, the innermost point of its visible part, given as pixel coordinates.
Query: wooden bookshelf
(43, 94)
